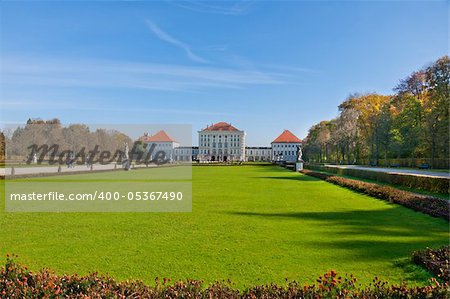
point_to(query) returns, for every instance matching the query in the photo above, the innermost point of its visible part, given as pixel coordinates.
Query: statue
(126, 163)
(127, 149)
(299, 154)
(299, 163)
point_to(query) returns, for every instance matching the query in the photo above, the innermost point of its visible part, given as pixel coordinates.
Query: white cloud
(61, 104)
(20, 72)
(232, 8)
(164, 36)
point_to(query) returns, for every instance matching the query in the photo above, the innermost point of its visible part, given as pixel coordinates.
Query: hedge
(436, 261)
(17, 281)
(232, 164)
(430, 184)
(432, 206)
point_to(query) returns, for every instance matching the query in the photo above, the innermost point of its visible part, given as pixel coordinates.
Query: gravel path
(416, 172)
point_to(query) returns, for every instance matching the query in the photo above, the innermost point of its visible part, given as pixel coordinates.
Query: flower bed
(18, 282)
(433, 206)
(435, 261)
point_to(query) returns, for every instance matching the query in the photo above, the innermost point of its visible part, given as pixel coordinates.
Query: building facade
(221, 142)
(162, 142)
(186, 153)
(258, 153)
(285, 147)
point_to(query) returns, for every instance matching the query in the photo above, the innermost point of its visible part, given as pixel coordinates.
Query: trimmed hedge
(18, 282)
(430, 184)
(432, 206)
(436, 261)
(232, 164)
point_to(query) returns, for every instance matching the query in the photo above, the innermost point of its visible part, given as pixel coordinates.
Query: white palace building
(222, 142)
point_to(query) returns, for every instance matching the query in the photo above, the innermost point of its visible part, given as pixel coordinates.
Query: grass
(250, 224)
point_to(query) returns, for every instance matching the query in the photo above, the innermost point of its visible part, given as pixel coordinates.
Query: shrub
(319, 175)
(430, 184)
(433, 206)
(18, 282)
(436, 261)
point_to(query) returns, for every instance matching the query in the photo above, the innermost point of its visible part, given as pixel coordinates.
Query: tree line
(74, 137)
(409, 127)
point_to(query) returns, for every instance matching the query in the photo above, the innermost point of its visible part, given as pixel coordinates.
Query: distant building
(195, 151)
(284, 147)
(34, 121)
(163, 142)
(40, 121)
(258, 153)
(186, 153)
(221, 142)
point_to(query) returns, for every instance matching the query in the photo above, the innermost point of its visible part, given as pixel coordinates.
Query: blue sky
(263, 66)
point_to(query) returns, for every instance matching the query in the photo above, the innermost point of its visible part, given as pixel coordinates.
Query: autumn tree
(74, 137)
(436, 107)
(411, 124)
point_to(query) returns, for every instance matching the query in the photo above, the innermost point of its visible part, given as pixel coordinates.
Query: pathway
(415, 172)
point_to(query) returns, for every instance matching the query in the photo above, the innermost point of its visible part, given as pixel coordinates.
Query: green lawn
(252, 224)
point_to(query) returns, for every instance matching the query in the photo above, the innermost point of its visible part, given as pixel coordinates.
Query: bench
(395, 165)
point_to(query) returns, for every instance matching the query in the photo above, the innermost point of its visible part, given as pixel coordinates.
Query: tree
(436, 107)
(383, 130)
(74, 138)
(346, 132)
(368, 108)
(323, 139)
(413, 123)
(2, 146)
(415, 84)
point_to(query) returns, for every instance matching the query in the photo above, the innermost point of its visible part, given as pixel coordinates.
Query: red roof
(287, 137)
(222, 126)
(161, 136)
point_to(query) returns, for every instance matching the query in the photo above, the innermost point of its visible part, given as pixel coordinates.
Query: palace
(222, 142)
